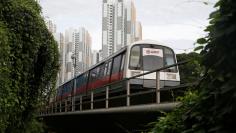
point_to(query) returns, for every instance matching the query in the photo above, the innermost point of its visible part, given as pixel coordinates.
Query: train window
(92, 75)
(101, 72)
(169, 59)
(70, 86)
(109, 68)
(97, 72)
(65, 88)
(135, 58)
(105, 69)
(116, 64)
(89, 79)
(79, 81)
(82, 80)
(122, 62)
(85, 78)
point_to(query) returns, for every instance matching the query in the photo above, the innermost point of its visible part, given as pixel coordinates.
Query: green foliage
(217, 106)
(214, 109)
(191, 71)
(28, 64)
(34, 126)
(173, 122)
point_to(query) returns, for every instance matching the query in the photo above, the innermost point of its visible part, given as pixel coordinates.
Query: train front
(146, 56)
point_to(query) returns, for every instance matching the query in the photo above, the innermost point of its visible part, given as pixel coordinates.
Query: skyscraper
(83, 54)
(118, 25)
(59, 38)
(78, 51)
(100, 55)
(138, 31)
(50, 25)
(69, 48)
(61, 46)
(108, 27)
(130, 16)
(95, 57)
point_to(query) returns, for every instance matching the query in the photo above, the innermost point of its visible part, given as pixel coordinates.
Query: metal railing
(116, 94)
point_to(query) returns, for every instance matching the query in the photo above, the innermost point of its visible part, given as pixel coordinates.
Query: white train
(134, 59)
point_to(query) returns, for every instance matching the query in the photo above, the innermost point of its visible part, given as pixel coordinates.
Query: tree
(28, 63)
(191, 71)
(213, 110)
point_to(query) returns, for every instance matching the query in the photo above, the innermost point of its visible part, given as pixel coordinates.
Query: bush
(214, 108)
(28, 63)
(173, 122)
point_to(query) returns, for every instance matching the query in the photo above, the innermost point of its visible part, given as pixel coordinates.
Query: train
(134, 59)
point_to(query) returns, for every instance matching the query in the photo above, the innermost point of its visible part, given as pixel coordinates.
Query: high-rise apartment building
(83, 54)
(69, 68)
(118, 25)
(130, 15)
(59, 37)
(78, 52)
(138, 31)
(50, 25)
(100, 55)
(95, 57)
(108, 27)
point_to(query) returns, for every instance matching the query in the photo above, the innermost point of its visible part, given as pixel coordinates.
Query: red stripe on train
(101, 82)
(96, 84)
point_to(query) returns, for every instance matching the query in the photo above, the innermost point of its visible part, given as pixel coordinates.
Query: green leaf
(201, 41)
(215, 14)
(198, 48)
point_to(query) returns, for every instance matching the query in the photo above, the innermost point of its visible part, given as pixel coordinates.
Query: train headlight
(171, 76)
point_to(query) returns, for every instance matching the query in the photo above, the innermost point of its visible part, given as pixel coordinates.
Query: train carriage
(134, 59)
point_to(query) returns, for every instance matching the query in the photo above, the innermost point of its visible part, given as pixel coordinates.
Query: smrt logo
(148, 51)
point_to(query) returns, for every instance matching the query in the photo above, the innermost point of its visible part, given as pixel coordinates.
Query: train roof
(148, 41)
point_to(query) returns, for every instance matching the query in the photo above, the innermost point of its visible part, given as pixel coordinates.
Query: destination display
(153, 52)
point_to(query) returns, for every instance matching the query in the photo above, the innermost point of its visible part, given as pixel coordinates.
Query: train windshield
(169, 59)
(150, 57)
(135, 58)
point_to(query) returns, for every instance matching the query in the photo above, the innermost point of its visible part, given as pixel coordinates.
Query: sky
(175, 23)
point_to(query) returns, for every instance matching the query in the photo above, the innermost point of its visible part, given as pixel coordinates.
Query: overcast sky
(176, 23)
